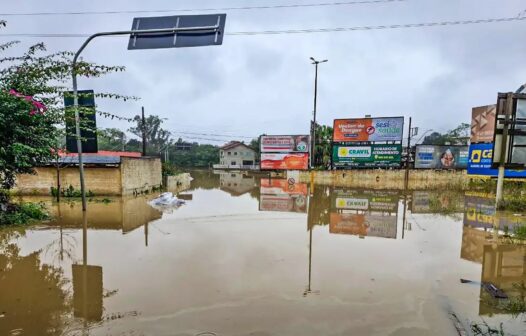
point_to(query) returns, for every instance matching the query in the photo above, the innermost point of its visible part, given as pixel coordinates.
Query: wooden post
(504, 148)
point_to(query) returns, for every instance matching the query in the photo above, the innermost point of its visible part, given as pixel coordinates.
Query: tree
(322, 148)
(111, 139)
(156, 136)
(32, 88)
(457, 136)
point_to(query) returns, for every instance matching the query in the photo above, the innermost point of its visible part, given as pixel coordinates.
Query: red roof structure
(233, 144)
(106, 153)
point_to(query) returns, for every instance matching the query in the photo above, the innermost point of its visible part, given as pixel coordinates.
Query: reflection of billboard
(284, 161)
(282, 186)
(367, 156)
(483, 123)
(480, 159)
(374, 225)
(285, 143)
(374, 200)
(441, 157)
(280, 195)
(368, 129)
(283, 202)
(436, 202)
(479, 211)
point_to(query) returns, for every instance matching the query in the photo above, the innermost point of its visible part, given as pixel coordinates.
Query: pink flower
(38, 107)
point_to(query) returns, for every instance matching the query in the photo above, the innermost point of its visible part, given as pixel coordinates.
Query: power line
(216, 135)
(298, 5)
(312, 30)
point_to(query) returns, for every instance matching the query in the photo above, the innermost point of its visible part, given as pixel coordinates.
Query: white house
(237, 155)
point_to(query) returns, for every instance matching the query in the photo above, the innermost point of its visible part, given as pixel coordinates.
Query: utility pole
(504, 147)
(313, 135)
(408, 155)
(143, 129)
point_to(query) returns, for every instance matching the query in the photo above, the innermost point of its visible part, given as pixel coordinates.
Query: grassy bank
(23, 213)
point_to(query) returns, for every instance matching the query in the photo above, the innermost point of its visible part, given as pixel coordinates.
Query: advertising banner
(373, 200)
(367, 156)
(480, 159)
(441, 157)
(368, 129)
(285, 143)
(424, 201)
(372, 225)
(284, 161)
(483, 123)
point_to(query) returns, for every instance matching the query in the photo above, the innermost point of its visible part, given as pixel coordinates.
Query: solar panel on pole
(203, 30)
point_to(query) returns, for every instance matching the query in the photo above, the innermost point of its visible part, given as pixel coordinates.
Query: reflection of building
(480, 211)
(364, 213)
(236, 183)
(473, 240)
(504, 266)
(236, 155)
(124, 214)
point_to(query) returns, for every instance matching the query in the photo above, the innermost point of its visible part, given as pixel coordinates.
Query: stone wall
(389, 179)
(140, 174)
(100, 180)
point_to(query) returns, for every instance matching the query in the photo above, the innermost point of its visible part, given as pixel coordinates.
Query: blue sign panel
(480, 159)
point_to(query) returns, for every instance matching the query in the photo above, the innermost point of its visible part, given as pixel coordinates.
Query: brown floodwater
(251, 256)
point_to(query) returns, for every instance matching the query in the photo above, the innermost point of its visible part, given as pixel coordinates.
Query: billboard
(368, 129)
(366, 156)
(285, 143)
(373, 225)
(373, 200)
(483, 123)
(441, 157)
(284, 161)
(481, 158)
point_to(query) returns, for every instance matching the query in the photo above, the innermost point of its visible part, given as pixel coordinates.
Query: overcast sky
(264, 84)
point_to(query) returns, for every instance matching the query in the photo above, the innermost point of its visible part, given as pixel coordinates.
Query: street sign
(202, 30)
(510, 131)
(88, 122)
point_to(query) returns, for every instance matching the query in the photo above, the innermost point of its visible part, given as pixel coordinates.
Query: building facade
(237, 155)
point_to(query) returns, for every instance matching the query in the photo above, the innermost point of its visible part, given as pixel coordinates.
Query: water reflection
(253, 255)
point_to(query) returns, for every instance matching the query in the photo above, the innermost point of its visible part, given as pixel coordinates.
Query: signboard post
(153, 33)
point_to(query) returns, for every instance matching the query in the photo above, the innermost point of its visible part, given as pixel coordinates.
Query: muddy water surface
(251, 256)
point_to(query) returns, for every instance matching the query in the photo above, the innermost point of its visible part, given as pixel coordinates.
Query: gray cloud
(264, 84)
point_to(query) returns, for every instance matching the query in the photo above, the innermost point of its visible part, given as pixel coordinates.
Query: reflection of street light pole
(313, 139)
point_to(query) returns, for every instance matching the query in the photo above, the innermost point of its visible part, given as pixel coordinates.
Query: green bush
(24, 213)
(70, 192)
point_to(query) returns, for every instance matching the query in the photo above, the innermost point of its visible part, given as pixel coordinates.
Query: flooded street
(251, 256)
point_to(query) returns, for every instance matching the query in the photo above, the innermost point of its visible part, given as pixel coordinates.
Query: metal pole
(408, 156)
(143, 129)
(75, 90)
(313, 155)
(77, 127)
(504, 148)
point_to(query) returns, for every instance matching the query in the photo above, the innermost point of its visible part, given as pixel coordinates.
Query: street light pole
(174, 30)
(313, 139)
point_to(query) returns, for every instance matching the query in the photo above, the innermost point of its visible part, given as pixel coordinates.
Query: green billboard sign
(366, 156)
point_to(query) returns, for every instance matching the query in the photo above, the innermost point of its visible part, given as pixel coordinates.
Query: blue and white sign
(480, 158)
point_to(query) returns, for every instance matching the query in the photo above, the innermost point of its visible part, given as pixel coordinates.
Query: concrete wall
(389, 179)
(178, 182)
(140, 174)
(100, 180)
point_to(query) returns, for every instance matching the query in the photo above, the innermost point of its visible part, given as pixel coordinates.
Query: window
(233, 163)
(235, 153)
(222, 153)
(229, 153)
